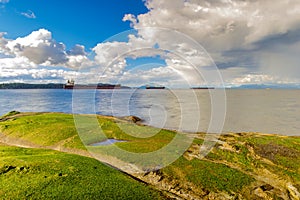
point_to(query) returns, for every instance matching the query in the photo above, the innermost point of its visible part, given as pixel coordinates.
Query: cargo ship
(71, 85)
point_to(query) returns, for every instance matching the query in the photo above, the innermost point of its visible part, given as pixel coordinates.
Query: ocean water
(268, 111)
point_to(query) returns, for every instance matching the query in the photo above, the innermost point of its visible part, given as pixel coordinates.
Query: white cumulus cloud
(40, 48)
(26, 58)
(222, 24)
(178, 51)
(237, 33)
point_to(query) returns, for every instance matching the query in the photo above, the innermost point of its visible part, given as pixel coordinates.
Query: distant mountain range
(266, 86)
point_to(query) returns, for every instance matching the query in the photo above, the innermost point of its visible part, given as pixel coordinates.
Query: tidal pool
(106, 142)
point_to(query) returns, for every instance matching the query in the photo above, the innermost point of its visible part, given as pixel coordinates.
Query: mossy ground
(47, 174)
(233, 166)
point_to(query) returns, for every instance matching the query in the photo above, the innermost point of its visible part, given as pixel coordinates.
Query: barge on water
(71, 85)
(155, 87)
(202, 88)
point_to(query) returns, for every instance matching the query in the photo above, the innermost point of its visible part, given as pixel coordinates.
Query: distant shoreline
(31, 86)
(88, 86)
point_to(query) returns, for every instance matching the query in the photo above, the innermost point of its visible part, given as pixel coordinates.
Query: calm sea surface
(269, 111)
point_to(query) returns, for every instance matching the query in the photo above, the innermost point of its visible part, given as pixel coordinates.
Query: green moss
(198, 141)
(257, 139)
(11, 113)
(241, 158)
(212, 176)
(218, 177)
(43, 129)
(46, 174)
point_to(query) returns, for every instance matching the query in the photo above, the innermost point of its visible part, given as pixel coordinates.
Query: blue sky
(71, 22)
(176, 43)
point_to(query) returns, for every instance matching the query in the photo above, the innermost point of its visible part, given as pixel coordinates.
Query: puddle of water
(106, 142)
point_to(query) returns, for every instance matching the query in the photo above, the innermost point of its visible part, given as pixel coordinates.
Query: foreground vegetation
(47, 174)
(240, 166)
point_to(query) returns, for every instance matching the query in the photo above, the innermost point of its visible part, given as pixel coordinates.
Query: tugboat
(155, 87)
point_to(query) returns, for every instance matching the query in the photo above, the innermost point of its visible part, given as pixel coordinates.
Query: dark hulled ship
(71, 85)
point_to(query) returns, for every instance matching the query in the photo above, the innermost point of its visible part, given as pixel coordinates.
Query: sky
(175, 43)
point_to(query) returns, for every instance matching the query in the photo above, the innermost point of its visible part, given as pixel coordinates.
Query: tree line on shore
(31, 86)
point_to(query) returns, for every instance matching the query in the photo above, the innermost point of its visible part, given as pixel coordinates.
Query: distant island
(266, 86)
(31, 86)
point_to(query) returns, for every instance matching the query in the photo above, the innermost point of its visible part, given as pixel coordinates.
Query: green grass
(49, 129)
(46, 174)
(223, 170)
(283, 151)
(290, 142)
(241, 158)
(212, 176)
(11, 113)
(44, 129)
